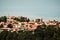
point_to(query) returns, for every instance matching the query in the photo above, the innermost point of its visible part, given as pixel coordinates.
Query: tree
(10, 26)
(3, 19)
(28, 20)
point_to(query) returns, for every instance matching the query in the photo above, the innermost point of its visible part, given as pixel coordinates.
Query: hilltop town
(16, 23)
(22, 28)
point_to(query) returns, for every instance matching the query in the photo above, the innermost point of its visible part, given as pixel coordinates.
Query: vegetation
(3, 19)
(41, 33)
(22, 19)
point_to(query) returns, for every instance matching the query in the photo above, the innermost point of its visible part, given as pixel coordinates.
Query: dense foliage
(3, 19)
(41, 33)
(22, 19)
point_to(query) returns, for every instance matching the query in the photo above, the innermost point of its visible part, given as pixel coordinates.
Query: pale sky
(33, 9)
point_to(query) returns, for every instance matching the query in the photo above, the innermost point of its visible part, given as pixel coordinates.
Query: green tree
(3, 18)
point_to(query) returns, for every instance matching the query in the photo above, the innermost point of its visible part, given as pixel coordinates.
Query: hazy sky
(31, 8)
